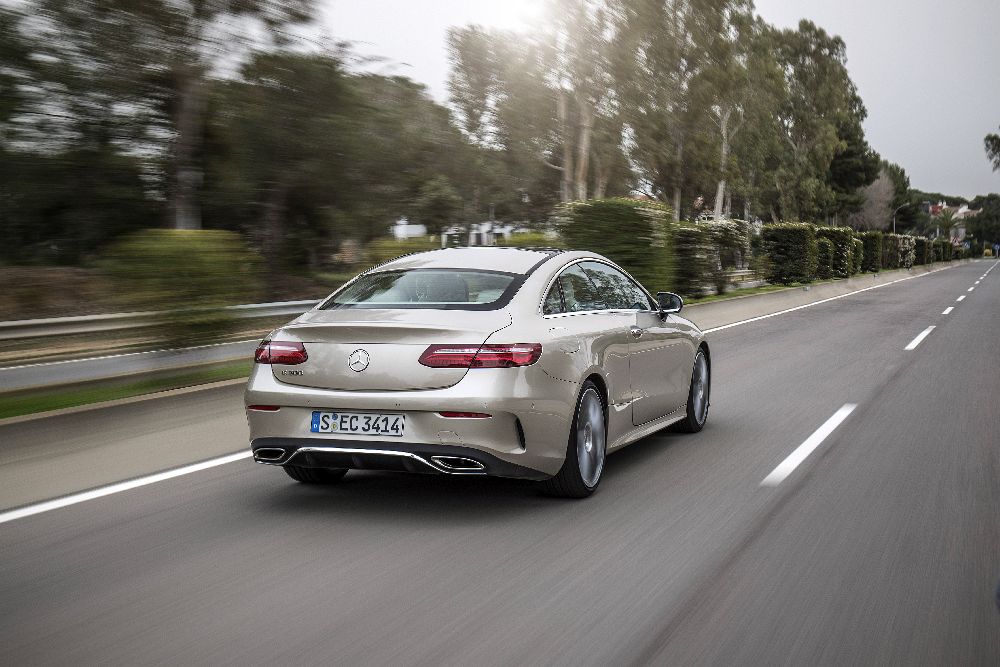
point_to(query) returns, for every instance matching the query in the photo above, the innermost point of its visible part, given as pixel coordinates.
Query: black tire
(697, 406)
(315, 475)
(586, 450)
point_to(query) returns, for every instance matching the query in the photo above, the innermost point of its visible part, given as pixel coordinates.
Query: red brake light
(481, 356)
(279, 352)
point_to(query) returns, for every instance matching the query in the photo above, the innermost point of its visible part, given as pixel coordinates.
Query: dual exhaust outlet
(456, 464)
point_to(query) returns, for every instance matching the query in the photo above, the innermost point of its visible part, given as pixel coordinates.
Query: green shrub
(187, 276)
(858, 256)
(872, 259)
(380, 251)
(958, 252)
(730, 240)
(531, 240)
(891, 251)
(922, 251)
(634, 234)
(694, 256)
(907, 250)
(824, 258)
(791, 248)
(842, 258)
(942, 250)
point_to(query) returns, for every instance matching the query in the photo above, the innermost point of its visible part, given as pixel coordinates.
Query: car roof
(511, 260)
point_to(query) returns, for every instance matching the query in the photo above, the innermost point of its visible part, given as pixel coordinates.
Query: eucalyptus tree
(820, 96)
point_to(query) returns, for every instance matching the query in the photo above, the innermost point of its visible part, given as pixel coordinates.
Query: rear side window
(454, 289)
(579, 291)
(618, 290)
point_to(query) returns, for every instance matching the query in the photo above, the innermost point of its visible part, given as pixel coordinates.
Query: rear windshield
(451, 289)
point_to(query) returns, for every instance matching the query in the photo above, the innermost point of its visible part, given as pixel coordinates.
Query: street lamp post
(898, 209)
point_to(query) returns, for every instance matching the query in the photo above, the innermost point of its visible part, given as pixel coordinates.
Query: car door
(584, 333)
(660, 356)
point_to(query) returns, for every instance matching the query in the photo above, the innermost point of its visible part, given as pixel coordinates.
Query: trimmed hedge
(922, 251)
(872, 256)
(634, 234)
(858, 256)
(907, 251)
(842, 257)
(531, 240)
(891, 246)
(824, 258)
(693, 252)
(942, 250)
(791, 248)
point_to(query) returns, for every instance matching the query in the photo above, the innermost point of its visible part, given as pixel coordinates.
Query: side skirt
(649, 428)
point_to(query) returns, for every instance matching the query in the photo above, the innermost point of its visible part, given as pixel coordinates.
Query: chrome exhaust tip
(268, 455)
(458, 464)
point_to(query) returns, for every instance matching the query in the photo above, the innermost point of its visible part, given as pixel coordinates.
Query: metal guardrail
(63, 326)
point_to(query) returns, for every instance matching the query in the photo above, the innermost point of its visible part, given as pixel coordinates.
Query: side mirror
(669, 303)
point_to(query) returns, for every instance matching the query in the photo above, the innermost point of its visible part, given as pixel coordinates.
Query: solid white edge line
(948, 310)
(785, 468)
(920, 338)
(100, 492)
(816, 303)
(961, 298)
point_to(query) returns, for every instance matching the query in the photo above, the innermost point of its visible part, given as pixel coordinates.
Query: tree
(438, 205)
(992, 144)
(149, 62)
(876, 207)
(820, 95)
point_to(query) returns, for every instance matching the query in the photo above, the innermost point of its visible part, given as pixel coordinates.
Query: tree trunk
(566, 185)
(586, 130)
(679, 154)
(274, 224)
(720, 190)
(187, 173)
(602, 174)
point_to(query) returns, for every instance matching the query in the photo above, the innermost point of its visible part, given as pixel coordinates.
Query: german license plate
(358, 423)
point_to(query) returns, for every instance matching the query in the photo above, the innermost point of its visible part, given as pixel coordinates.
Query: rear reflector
(465, 415)
(481, 356)
(279, 352)
(264, 408)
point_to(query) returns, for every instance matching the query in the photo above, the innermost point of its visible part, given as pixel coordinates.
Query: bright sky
(928, 70)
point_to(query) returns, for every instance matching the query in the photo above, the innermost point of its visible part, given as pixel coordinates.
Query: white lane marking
(126, 354)
(961, 298)
(786, 467)
(920, 338)
(65, 501)
(816, 303)
(970, 289)
(948, 310)
(978, 281)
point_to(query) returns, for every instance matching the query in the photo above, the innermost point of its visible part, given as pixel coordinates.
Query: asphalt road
(881, 547)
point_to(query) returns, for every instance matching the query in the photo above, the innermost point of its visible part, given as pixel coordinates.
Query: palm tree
(945, 220)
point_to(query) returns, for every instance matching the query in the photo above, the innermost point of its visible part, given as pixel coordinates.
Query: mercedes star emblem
(358, 361)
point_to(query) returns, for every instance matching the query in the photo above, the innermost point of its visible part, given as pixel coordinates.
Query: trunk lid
(355, 349)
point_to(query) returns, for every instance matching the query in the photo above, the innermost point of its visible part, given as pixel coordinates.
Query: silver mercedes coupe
(478, 361)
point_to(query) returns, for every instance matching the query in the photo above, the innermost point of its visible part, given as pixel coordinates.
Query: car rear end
(417, 374)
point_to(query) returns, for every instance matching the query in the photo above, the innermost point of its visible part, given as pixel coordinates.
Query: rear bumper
(528, 431)
(398, 456)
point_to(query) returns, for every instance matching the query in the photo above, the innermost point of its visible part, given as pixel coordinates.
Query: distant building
(484, 233)
(959, 214)
(403, 229)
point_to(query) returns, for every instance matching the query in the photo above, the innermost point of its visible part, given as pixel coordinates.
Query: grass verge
(749, 291)
(26, 403)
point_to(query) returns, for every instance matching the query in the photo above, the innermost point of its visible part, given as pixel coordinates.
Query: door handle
(636, 332)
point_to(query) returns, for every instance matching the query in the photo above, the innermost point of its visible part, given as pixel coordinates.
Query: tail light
(280, 352)
(481, 356)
